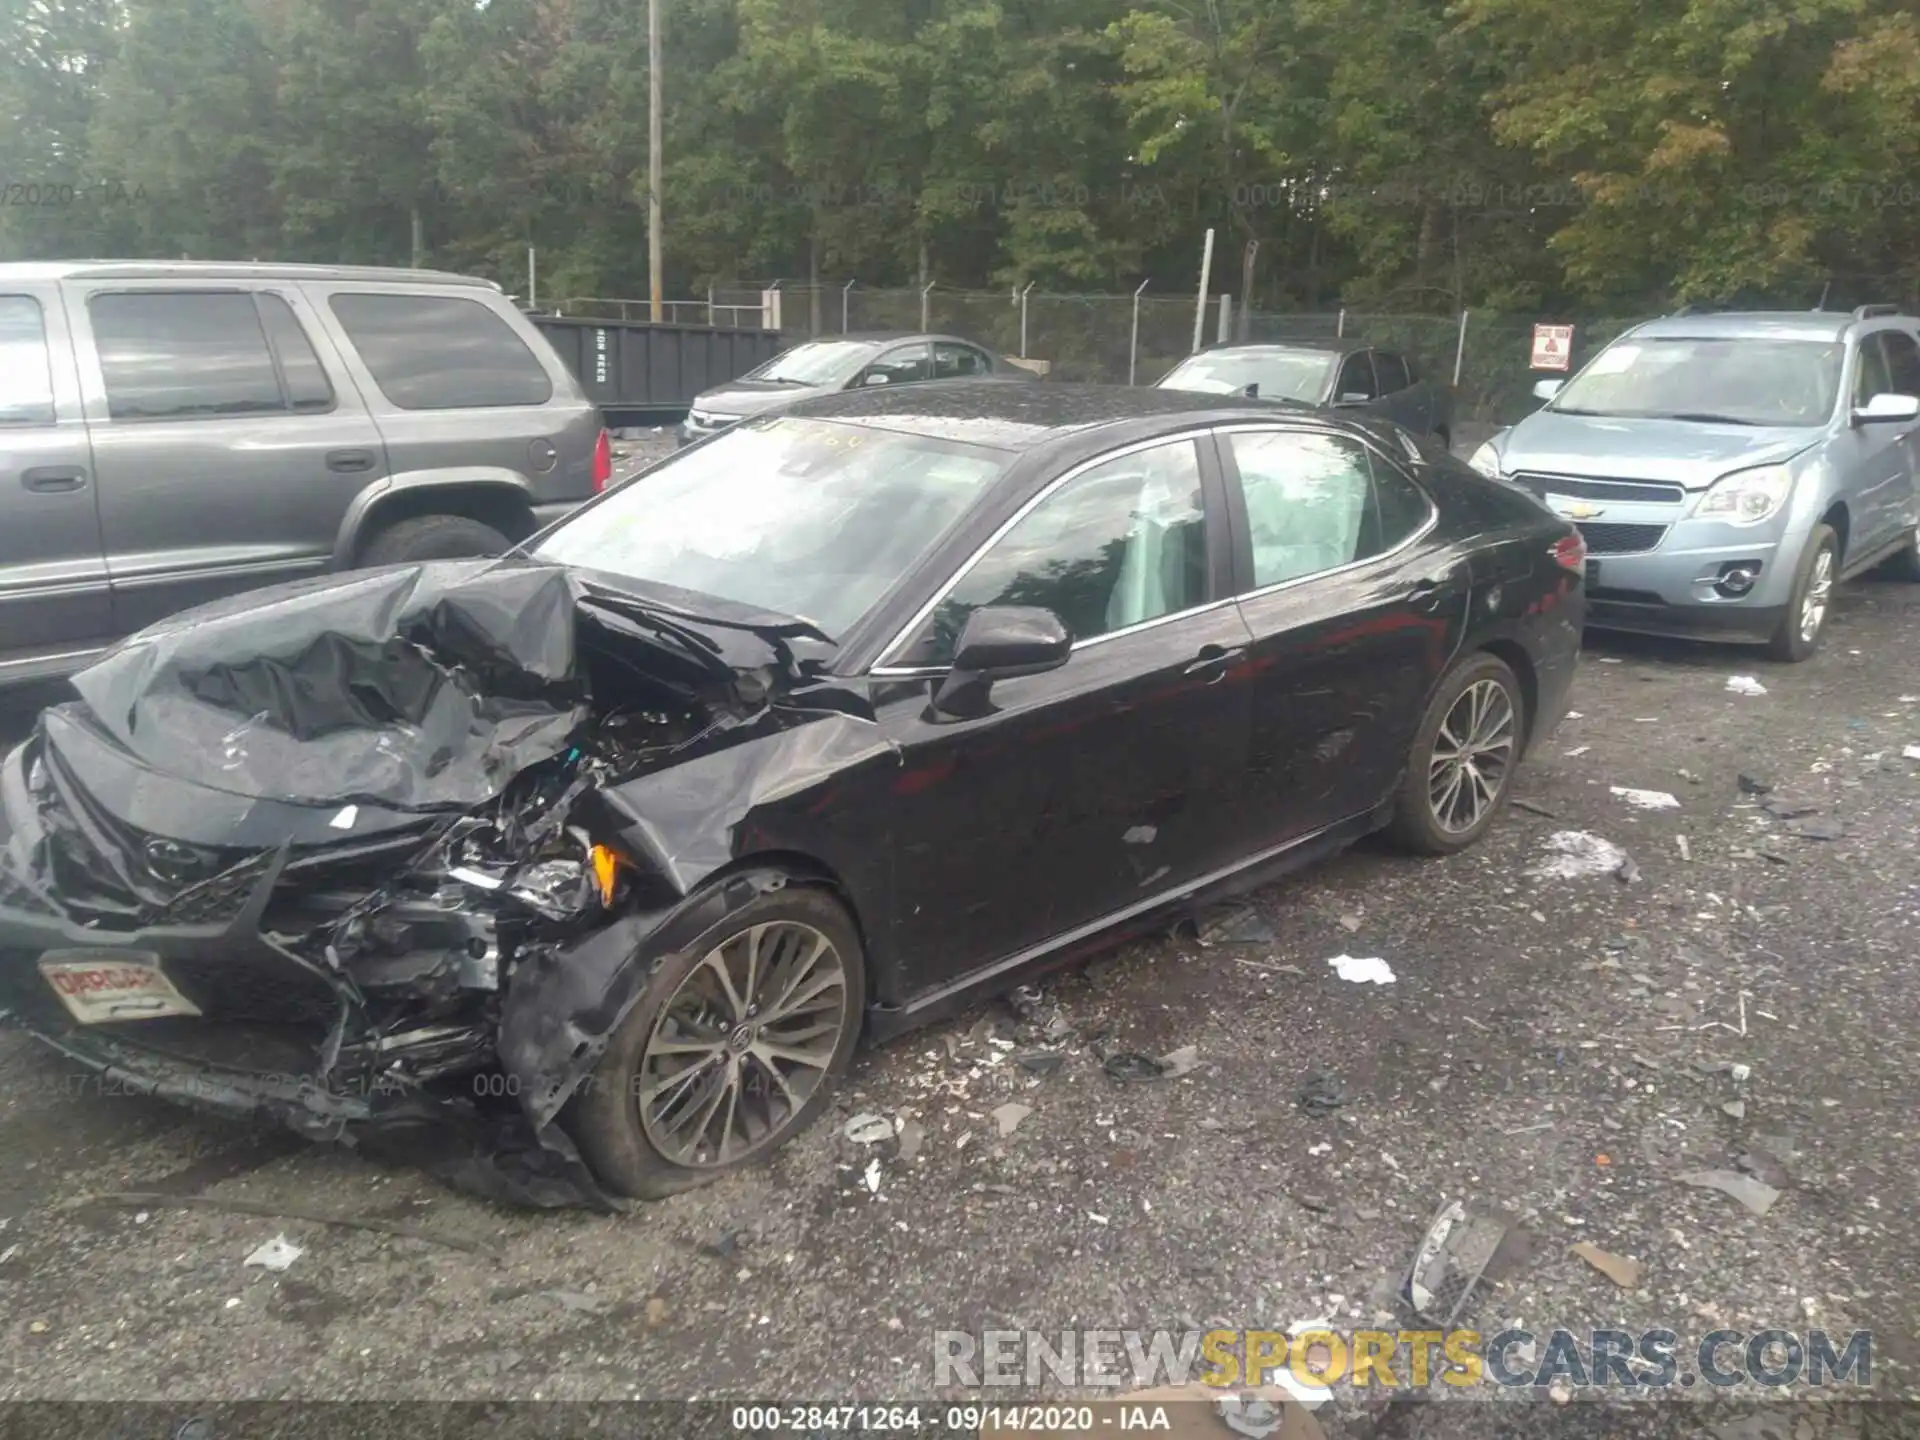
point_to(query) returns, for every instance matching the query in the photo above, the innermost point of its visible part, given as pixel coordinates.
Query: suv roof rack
(1869, 312)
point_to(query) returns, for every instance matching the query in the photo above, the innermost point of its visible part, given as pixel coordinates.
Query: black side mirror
(1000, 642)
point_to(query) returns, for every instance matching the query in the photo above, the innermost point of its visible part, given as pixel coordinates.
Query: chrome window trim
(1425, 528)
(906, 633)
(1217, 431)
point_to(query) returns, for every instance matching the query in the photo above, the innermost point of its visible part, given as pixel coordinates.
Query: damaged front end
(319, 858)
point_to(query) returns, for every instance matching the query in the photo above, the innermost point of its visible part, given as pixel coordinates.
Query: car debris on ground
(1756, 1195)
(277, 1254)
(1362, 970)
(1646, 799)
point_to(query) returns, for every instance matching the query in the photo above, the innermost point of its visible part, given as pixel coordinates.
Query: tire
(1426, 825)
(1791, 639)
(634, 1158)
(1906, 565)
(434, 537)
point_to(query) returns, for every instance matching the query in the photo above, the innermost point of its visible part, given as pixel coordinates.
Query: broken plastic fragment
(1620, 1269)
(277, 1254)
(1756, 1195)
(869, 1129)
(1745, 685)
(344, 820)
(1362, 971)
(872, 1176)
(1646, 799)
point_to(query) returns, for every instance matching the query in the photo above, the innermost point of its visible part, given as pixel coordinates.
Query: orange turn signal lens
(606, 870)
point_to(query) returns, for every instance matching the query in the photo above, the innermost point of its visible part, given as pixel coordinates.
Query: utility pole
(653, 158)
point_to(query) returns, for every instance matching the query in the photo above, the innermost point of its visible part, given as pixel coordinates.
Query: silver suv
(1728, 470)
(174, 433)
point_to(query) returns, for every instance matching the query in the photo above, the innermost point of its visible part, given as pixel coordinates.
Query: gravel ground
(1557, 1049)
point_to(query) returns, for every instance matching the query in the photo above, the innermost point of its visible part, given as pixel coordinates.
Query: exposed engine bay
(355, 856)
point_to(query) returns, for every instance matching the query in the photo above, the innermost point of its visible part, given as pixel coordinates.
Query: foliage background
(1408, 156)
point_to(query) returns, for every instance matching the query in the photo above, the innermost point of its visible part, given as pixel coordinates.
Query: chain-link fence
(1138, 338)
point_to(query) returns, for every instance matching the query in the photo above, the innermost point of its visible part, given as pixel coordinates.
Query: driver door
(1095, 787)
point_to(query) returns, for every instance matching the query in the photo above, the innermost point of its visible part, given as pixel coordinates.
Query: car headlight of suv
(1486, 460)
(1746, 497)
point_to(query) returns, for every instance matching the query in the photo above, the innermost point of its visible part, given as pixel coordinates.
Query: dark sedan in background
(831, 723)
(1334, 376)
(845, 362)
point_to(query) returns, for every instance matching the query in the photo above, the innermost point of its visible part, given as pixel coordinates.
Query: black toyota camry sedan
(580, 873)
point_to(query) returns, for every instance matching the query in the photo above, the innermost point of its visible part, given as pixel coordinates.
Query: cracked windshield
(992, 718)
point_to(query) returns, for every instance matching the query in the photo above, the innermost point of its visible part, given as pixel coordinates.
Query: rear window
(174, 354)
(434, 352)
(26, 371)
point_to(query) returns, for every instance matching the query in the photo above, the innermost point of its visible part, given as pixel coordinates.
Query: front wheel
(1463, 759)
(733, 1049)
(1798, 634)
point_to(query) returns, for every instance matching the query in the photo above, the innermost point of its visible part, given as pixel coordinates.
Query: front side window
(440, 352)
(1391, 370)
(1356, 379)
(1307, 496)
(899, 367)
(1871, 377)
(1903, 362)
(1120, 544)
(806, 518)
(26, 367)
(1733, 380)
(171, 354)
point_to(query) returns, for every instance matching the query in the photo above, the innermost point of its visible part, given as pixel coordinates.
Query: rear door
(227, 443)
(53, 574)
(1353, 622)
(1903, 371)
(463, 388)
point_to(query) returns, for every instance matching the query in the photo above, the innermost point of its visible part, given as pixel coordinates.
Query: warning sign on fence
(1552, 346)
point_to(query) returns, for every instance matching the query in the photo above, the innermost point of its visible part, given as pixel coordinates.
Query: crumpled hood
(1681, 452)
(422, 687)
(753, 397)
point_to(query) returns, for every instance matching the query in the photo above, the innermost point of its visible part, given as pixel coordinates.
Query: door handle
(1215, 658)
(53, 479)
(350, 462)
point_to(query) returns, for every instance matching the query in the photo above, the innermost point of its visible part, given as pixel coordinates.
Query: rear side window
(1871, 378)
(26, 369)
(1400, 508)
(1392, 371)
(952, 361)
(437, 352)
(174, 354)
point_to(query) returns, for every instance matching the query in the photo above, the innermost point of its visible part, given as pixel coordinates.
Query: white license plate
(102, 986)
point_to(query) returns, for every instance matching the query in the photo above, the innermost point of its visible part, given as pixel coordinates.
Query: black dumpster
(644, 374)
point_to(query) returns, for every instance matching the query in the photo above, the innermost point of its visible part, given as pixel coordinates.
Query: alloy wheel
(1813, 605)
(742, 1044)
(1471, 756)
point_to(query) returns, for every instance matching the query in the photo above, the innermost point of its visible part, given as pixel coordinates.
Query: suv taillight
(1571, 552)
(602, 462)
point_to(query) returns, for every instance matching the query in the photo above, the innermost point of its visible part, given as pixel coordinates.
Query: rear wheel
(733, 1049)
(1463, 759)
(434, 537)
(1798, 634)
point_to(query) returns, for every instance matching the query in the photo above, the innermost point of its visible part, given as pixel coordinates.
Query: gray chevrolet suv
(1728, 470)
(174, 433)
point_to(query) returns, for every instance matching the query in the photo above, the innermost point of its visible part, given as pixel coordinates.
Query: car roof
(1270, 347)
(1751, 325)
(884, 337)
(1022, 417)
(48, 270)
